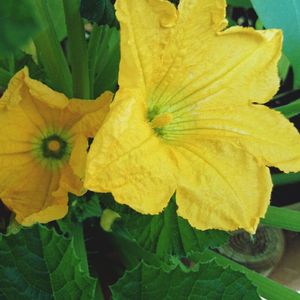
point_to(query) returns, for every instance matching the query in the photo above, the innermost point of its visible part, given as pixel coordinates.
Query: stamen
(54, 145)
(162, 120)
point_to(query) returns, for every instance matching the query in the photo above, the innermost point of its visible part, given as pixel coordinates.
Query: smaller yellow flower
(43, 138)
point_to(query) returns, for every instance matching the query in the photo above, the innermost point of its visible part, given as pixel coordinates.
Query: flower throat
(54, 147)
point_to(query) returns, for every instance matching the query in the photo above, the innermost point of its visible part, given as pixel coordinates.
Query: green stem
(79, 246)
(99, 293)
(80, 249)
(266, 287)
(78, 49)
(107, 62)
(290, 110)
(93, 51)
(283, 218)
(282, 179)
(50, 52)
(5, 76)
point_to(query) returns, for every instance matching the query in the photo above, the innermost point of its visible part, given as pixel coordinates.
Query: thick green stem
(77, 49)
(282, 179)
(50, 52)
(266, 287)
(290, 110)
(283, 218)
(80, 249)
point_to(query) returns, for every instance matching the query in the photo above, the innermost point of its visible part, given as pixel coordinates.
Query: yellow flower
(188, 116)
(43, 138)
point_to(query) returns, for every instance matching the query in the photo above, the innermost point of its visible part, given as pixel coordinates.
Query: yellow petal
(29, 194)
(221, 187)
(16, 131)
(193, 64)
(12, 95)
(263, 132)
(46, 95)
(237, 66)
(50, 213)
(129, 160)
(11, 166)
(212, 14)
(145, 29)
(78, 156)
(92, 112)
(69, 182)
(17, 126)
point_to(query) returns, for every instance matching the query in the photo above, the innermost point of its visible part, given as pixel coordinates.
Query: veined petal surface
(221, 186)
(129, 160)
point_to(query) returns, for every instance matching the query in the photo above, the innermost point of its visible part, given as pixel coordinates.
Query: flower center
(54, 147)
(159, 120)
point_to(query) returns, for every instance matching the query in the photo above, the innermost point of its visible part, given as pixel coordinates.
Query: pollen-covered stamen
(161, 120)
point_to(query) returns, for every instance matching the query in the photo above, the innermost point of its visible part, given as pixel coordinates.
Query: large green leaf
(284, 15)
(18, 23)
(38, 264)
(165, 234)
(205, 281)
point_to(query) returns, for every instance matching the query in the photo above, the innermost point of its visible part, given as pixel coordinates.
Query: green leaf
(283, 218)
(101, 12)
(290, 110)
(240, 3)
(50, 52)
(18, 23)
(84, 207)
(165, 234)
(20, 59)
(284, 15)
(282, 178)
(283, 67)
(104, 58)
(56, 11)
(4, 78)
(77, 46)
(205, 281)
(38, 264)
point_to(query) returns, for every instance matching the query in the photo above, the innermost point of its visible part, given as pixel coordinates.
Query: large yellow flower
(43, 138)
(188, 116)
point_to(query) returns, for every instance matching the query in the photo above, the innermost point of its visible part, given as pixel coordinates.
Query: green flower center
(52, 149)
